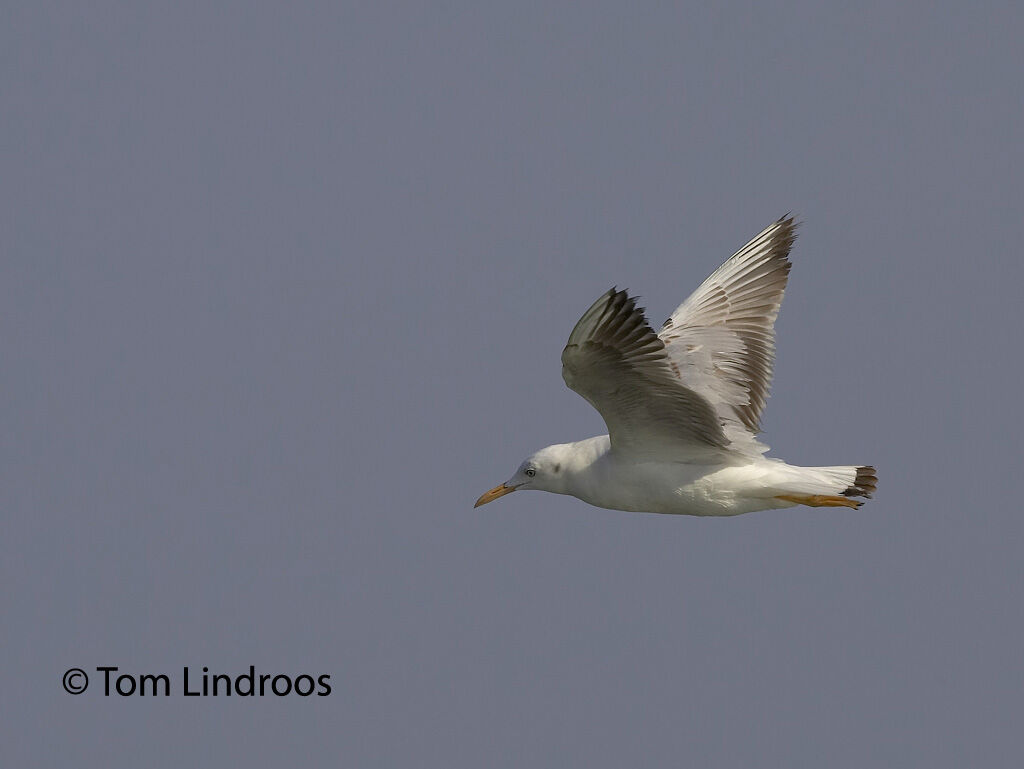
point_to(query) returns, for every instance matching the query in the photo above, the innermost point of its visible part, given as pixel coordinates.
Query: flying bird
(683, 405)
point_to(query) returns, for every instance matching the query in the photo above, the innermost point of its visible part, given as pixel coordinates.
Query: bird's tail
(831, 486)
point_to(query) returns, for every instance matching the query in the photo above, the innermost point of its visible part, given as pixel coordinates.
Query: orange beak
(493, 494)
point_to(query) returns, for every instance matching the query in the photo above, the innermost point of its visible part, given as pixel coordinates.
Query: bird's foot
(819, 500)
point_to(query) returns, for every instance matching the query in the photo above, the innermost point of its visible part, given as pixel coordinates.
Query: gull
(683, 406)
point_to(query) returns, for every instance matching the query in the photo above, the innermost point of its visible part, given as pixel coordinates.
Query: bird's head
(545, 470)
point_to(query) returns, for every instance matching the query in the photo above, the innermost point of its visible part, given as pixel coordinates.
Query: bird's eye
(530, 472)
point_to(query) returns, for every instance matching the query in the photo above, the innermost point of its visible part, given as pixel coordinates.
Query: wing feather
(721, 340)
(619, 365)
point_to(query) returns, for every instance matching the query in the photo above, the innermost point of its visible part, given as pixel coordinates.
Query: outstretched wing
(616, 361)
(721, 341)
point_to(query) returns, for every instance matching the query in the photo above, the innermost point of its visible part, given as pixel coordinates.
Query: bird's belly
(668, 488)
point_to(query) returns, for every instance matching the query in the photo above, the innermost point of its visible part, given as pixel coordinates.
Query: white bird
(683, 406)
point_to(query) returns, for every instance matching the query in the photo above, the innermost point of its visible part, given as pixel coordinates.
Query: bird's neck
(588, 451)
(579, 464)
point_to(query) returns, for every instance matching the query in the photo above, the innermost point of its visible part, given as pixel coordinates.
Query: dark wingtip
(790, 219)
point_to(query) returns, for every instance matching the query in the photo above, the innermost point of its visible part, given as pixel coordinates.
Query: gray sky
(284, 290)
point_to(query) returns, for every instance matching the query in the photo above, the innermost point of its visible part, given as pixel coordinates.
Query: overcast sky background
(283, 289)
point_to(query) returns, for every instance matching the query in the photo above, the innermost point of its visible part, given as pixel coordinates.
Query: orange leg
(819, 500)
